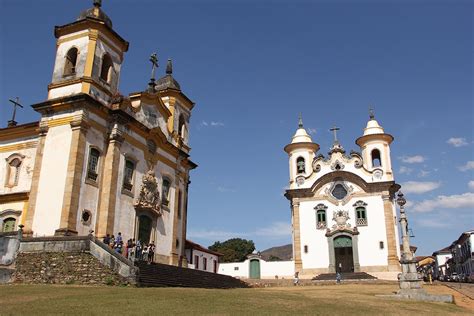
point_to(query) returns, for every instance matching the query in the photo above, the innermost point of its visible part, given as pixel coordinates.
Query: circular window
(86, 217)
(339, 192)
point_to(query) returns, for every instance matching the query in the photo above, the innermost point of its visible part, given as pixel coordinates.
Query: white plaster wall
(308, 157)
(315, 239)
(210, 260)
(370, 253)
(89, 195)
(230, 269)
(384, 155)
(82, 45)
(52, 181)
(101, 49)
(270, 269)
(26, 167)
(65, 91)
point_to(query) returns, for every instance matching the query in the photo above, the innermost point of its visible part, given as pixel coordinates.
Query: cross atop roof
(334, 129)
(16, 103)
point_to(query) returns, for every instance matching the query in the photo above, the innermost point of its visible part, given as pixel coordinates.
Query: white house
(201, 258)
(441, 256)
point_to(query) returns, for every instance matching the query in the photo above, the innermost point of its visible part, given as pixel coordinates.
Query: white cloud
(213, 234)
(457, 141)
(471, 185)
(405, 170)
(212, 124)
(276, 229)
(412, 159)
(432, 222)
(446, 201)
(423, 173)
(311, 131)
(225, 189)
(217, 124)
(416, 187)
(468, 166)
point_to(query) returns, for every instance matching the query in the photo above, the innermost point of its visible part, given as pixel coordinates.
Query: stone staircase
(353, 276)
(162, 275)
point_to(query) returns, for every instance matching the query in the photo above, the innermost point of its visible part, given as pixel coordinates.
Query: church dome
(301, 136)
(373, 127)
(168, 81)
(95, 13)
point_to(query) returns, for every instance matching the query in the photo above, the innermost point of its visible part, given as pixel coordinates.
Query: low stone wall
(63, 268)
(9, 245)
(81, 244)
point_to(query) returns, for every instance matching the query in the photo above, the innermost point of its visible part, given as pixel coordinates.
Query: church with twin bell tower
(342, 205)
(98, 162)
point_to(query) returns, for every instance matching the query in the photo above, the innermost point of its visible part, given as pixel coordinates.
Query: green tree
(274, 258)
(234, 249)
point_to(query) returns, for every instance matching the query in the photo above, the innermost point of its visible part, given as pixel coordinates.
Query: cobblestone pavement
(465, 288)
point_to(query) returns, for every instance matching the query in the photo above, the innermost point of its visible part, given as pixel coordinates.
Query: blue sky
(252, 66)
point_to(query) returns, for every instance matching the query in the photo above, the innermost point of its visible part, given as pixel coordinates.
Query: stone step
(160, 275)
(344, 276)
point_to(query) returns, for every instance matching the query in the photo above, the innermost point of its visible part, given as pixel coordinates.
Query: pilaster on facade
(30, 213)
(72, 189)
(392, 258)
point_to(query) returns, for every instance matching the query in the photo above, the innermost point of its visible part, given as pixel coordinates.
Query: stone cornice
(312, 146)
(14, 197)
(364, 139)
(389, 186)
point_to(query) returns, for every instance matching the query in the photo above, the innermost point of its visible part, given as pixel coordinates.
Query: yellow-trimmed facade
(96, 161)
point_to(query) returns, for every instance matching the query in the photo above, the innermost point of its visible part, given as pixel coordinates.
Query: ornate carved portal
(149, 196)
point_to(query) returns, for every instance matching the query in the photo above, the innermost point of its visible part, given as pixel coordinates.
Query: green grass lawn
(350, 299)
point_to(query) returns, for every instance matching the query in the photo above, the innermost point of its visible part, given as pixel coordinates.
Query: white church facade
(342, 205)
(97, 161)
(343, 211)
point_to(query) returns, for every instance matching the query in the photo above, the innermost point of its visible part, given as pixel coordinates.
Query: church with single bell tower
(342, 205)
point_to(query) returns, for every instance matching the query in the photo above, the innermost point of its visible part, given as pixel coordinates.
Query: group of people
(134, 251)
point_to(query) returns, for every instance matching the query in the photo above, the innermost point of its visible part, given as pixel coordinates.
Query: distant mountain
(285, 252)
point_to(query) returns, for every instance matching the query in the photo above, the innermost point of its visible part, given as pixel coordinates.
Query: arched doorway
(343, 254)
(254, 272)
(8, 224)
(144, 229)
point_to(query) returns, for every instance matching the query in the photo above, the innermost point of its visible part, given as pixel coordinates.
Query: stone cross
(334, 129)
(154, 65)
(16, 103)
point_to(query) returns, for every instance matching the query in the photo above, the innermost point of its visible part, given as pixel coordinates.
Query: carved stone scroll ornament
(341, 217)
(149, 196)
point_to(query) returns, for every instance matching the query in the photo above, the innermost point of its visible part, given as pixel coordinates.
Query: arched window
(182, 126)
(107, 67)
(93, 164)
(376, 160)
(13, 172)
(70, 63)
(128, 175)
(361, 213)
(8, 224)
(321, 216)
(13, 166)
(300, 165)
(165, 192)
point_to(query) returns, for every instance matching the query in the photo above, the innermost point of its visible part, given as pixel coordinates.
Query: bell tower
(375, 148)
(301, 152)
(89, 55)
